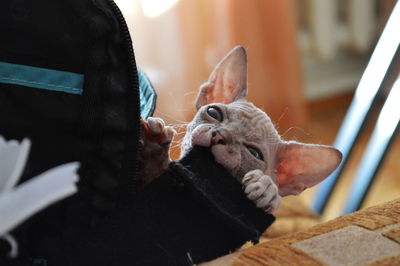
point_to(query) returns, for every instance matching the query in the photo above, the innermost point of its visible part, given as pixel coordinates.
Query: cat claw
(262, 190)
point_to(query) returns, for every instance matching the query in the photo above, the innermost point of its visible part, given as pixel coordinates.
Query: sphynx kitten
(242, 138)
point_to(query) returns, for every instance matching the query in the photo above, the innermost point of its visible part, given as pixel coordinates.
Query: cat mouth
(224, 156)
(201, 136)
(201, 141)
(217, 142)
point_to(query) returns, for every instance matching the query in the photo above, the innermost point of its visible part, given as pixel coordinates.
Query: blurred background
(305, 59)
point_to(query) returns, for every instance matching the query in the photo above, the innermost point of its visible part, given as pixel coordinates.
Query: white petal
(36, 194)
(13, 156)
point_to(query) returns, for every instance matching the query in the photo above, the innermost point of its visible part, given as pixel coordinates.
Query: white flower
(19, 203)
(13, 157)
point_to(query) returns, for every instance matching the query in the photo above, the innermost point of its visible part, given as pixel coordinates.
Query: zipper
(130, 168)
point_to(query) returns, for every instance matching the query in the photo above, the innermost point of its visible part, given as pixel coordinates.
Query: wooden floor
(325, 121)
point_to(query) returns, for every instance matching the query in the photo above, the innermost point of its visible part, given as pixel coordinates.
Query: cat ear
(300, 166)
(228, 81)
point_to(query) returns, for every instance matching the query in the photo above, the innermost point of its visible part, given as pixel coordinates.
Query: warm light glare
(126, 6)
(154, 8)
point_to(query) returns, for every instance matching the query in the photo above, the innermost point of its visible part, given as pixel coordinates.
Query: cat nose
(217, 137)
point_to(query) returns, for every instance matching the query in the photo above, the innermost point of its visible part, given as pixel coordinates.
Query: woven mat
(367, 237)
(292, 216)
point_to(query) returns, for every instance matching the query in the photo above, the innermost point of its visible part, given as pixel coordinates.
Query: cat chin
(222, 154)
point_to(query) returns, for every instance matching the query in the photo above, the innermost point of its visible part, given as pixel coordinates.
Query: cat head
(242, 137)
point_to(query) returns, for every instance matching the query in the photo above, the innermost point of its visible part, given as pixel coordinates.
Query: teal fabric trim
(148, 96)
(42, 78)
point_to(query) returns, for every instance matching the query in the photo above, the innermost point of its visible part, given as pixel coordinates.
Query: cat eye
(256, 153)
(215, 113)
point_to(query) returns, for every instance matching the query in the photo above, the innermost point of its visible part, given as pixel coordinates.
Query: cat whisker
(179, 126)
(297, 128)
(176, 143)
(174, 119)
(190, 93)
(283, 114)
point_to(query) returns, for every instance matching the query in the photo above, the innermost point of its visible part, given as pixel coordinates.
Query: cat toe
(252, 176)
(255, 190)
(265, 200)
(167, 135)
(274, 204)
(271, 188)
(271, 199)
(156, 126)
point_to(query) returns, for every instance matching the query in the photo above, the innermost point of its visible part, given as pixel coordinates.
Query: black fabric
(192, 212)
(99, 128)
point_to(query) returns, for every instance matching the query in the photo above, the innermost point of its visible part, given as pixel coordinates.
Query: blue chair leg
(384, 133)
(379, 70)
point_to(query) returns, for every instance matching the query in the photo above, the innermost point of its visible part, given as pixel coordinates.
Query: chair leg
(379, 70)
(384, 133)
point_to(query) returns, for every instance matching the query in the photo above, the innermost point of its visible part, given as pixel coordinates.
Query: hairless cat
(242, 138)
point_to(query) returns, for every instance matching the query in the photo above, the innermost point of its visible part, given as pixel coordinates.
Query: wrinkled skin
(243, 126)
(243, 139)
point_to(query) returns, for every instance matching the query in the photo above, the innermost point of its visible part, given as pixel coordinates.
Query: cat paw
(155, 141)
(262, 190)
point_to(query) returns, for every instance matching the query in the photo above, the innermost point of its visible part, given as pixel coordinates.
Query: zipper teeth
(135, 82)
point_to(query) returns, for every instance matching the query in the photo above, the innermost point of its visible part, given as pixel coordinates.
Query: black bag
(69, 83)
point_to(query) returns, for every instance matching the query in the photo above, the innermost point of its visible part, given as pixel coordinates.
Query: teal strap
(42, 78)
(148, 96)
